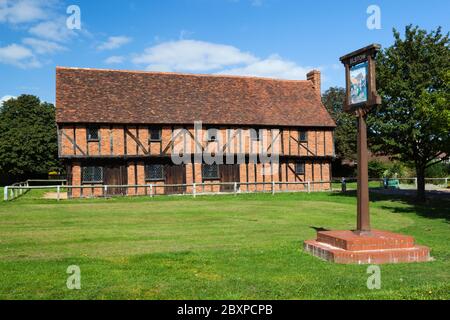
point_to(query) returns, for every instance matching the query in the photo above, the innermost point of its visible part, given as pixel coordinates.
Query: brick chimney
(314, 77)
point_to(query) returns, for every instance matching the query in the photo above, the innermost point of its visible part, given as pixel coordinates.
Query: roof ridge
(183, 74)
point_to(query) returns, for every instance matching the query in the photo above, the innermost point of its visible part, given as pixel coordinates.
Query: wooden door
(175, 174)
(229, 173)
(115, 175)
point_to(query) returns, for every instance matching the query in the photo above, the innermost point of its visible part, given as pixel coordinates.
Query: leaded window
(300, 168)
(155, 134)
(154, 172)
(92, 133)
(303, 136)
(92, 174)
(210, 171)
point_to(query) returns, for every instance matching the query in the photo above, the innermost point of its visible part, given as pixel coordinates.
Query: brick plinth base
(377, 247)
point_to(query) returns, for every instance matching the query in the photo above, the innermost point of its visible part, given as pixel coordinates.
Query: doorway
(175, 174)
(229, 173)
(115, 175)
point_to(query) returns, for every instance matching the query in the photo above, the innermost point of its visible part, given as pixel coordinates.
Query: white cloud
(18, 55)
(114, 43)
(199, 56)
(23, 11)
(272, 67)
(115, 60)
(45, 21)
(55, 30)
(43, 46)
(192, 55)
(5, 98)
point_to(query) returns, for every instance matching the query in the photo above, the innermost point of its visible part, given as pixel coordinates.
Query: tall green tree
(28, 137)
(413, 122)
(345, 134)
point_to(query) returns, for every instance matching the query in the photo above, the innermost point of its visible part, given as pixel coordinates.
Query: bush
(377, 169)
(438, 170)
(397, 170)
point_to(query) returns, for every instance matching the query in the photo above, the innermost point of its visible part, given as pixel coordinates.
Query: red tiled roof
(110, 96)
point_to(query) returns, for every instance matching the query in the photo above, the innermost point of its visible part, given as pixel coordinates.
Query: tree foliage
(28, 138)
(413, 78)
(345, 135)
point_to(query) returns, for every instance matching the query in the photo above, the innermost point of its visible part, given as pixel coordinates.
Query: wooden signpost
(361, 96)
(364, 245)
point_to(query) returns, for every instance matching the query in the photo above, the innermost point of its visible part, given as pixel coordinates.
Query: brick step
(376, 240)
(379, 256)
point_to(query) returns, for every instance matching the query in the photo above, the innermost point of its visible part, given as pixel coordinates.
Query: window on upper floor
(155, 134)
(303, 136)
(300, 168)
(92, 174)
(212, 135)
(92, 133)
(154, 172)
(210, 171)
(255, 135)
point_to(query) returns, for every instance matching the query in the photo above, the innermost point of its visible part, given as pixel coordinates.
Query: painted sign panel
(358, 83)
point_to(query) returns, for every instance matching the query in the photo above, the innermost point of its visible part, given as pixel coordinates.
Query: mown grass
(211, 247)
(353, 185)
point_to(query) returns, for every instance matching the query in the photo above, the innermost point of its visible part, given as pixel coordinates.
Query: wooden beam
(138, 143)
(273, 140)
(196, 141)
(229, 140)
(306, 148)
(74, 143)
(295, 174)
(172, 141)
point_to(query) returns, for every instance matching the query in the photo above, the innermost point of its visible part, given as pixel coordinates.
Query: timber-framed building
(123, 127)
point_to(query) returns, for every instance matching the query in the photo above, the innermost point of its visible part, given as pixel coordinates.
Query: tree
(413, 122)
(345, 135)
(28, 138)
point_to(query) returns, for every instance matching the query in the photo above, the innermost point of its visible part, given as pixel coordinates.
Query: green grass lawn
(353, 185)
(211, 247)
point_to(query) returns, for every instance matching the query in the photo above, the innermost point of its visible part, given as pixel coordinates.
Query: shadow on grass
(319, 228)
(437, 205)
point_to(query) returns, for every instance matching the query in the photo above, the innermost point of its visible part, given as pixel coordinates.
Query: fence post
(58, 189)
(309, 186)
(194, 191)
(151, 190)
(415, 183)
(235, 188)
(5, 193)
(273, 187)
(446, 182)
(105, 190)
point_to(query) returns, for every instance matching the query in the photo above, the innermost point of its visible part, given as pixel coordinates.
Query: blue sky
(271, 38)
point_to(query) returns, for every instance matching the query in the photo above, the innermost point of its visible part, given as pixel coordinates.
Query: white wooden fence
(18, 189)
(15, 191)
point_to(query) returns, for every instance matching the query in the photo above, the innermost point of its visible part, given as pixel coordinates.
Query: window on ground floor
(210, 171)
(300, 168)
(92, 175)
(154, 172)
